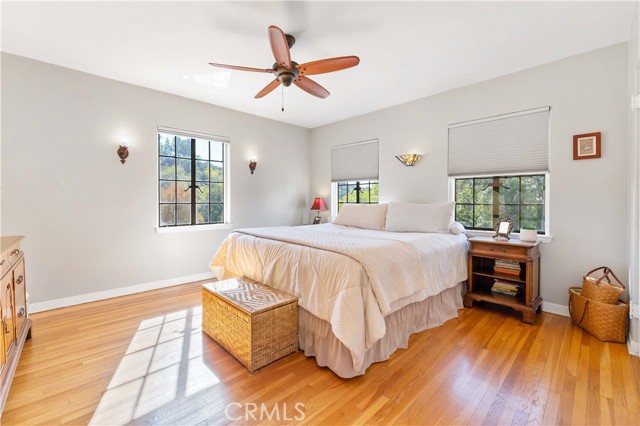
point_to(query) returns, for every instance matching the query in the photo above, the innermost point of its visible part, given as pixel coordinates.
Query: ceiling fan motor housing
(286, 75)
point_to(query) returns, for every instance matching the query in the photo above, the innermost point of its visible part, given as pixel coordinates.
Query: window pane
(202, 170)
(216, 172)
(510, 190)
(217, 215)
(216, 194)
(184, 214)
(484, 191)
(514, 214)
(216, 151)
(464, 191)
(167, 214)
(202, 192)
(533, 189)
(202, 149)
(183, 147)
(167, 168)
(483, 216)
(464, 215)
(167, 192)
(351, 193)
(184, 192)
(167, 145)
(364, 193)
(183, 169)
(373, 198)
(202, 213)
(342, 193)
(533, 216)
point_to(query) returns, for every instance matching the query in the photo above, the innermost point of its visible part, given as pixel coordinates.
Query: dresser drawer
(9, 258)
(20, 295)
(501, 250)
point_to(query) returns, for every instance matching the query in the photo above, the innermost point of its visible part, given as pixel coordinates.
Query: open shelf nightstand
(483, 253)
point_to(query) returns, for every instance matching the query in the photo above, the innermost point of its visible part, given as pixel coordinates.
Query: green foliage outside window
(191, 180)
(480, 201)
(365, 192)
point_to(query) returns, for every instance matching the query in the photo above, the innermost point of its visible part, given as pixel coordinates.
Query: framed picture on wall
(586, 146)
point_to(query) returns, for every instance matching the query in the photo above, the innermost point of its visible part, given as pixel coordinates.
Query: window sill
(192, 228)
(474, 233)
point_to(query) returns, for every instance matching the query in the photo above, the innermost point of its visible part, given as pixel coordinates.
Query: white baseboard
(633, 346)
(116, 292)
(554, 308)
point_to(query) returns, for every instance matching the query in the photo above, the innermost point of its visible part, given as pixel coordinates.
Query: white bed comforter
(349, 277)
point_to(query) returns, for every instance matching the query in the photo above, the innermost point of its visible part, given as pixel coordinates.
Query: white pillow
(456, 228)
(405, 217)
(367, 216)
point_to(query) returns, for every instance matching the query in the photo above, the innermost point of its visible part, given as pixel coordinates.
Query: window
(356, 192)
(500, 165)
(481, 200)
(191, 179)
(354, 174)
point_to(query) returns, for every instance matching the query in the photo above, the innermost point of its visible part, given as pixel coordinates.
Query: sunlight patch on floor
(162, 363)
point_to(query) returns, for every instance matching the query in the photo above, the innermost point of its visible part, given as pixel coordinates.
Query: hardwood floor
(142, 359)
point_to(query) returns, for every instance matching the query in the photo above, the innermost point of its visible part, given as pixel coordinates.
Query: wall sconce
(408, 159)
(253, 162)
(123, 151)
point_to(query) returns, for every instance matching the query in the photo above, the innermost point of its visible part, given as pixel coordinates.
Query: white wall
(89, 220)
(634, 174)
(587, 93)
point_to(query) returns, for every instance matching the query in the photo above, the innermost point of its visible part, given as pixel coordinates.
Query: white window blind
(355, 161)
(506, 144)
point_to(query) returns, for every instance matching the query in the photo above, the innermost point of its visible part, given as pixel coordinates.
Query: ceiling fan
(287, 71)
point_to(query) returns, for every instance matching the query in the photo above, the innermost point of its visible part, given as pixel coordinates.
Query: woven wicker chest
(255, 323)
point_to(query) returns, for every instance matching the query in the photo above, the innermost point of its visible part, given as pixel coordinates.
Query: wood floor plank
(142, 359)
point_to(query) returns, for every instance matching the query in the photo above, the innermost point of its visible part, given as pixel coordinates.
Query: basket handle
(584, 312)
(606, 272)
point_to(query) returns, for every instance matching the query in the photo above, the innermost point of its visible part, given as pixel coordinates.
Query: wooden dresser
(15, 326)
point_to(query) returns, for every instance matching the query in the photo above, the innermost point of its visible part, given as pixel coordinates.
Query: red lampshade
(318, 204)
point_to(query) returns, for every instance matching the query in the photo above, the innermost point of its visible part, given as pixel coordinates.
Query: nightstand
(510, 264)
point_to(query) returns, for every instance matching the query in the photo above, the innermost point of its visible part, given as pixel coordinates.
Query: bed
(361, 292)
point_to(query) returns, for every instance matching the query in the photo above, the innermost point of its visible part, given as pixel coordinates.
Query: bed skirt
(317, 340)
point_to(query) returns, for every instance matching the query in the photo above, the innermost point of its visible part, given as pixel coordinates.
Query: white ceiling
(407, 50)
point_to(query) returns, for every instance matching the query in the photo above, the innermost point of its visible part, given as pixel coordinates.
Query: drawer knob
(19, 280)
(14, 252)
(2, 263)
(21, 313)
(5, 327)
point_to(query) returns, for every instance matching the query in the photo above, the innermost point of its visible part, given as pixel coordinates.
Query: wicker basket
(605, 321)
(602, 289)
(255, 323)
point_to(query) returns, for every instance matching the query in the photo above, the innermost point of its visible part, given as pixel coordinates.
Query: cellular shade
(190, 134)
(506, 144)
(356, 161)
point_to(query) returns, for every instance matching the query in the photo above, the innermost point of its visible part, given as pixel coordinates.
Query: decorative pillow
(405, 217)
(456, 228)
(367, 216)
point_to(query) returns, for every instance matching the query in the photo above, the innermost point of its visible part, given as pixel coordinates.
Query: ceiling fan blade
(279, 46)
(235, 67)
(328, 65)
(268, 88)
(311, 87)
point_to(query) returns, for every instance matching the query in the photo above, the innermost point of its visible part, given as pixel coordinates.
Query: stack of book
(507, 267)
(505, 287)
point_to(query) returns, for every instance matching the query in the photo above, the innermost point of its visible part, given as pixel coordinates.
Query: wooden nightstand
(483, 254)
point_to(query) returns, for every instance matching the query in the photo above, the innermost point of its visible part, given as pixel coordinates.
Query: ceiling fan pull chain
(282, 98)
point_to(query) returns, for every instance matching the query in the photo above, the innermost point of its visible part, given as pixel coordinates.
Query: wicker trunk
(255, 323)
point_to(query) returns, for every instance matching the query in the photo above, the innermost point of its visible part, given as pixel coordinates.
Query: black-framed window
(357, 192)
(190, 180)
(480, 201)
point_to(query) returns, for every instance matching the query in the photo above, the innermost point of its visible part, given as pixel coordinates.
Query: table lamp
(318, 204)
